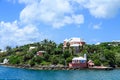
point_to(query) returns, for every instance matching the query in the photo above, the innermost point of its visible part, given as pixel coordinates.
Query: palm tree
(8, 48)
(68, 45)
(0, 50)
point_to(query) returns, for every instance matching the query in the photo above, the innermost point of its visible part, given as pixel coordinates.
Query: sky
(27, 21)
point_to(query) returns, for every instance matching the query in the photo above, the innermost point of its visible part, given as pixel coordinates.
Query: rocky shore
(45, 67)
(53, 67)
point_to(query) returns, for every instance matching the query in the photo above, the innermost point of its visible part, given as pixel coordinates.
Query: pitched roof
(74, 39)
(79, 58)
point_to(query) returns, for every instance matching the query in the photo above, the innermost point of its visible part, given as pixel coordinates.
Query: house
(5, 61)
(40, 53)
(74, 42)
(90, 63)
(78, 62)
(31, 48)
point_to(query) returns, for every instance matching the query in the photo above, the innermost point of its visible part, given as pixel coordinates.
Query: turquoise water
(7, 73)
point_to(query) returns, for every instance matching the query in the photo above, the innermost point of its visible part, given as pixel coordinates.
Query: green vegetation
(107, 53)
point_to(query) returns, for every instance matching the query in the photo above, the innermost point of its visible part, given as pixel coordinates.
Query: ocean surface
(8, 73)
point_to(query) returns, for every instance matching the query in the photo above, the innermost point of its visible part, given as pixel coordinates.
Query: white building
(78, 62)
(5, 61)
(79, 59)
(31, 47)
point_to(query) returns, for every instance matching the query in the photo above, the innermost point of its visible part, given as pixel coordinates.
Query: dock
(101, 68)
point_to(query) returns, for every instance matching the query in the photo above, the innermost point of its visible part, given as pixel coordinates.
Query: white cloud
(11, 34)
(78, 19)
(56, 13)
(59, 13)
(49, 10)
(101, 8)
(97, 26)
(74, 19)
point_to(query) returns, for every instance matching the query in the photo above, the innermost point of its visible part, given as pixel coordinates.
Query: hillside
(107, 53)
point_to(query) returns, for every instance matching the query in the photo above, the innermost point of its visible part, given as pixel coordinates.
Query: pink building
(90, 63)
(40, 53)
(79, 62)
(74, 42)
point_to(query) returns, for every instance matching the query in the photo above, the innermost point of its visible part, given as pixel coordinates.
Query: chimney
(85, 56)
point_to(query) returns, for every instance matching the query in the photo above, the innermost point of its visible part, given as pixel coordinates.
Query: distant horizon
(26, 21)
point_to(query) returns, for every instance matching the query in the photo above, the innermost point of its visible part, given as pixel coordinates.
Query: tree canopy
(107, 53)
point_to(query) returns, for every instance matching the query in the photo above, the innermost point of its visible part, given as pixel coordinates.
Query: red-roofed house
(40, 53)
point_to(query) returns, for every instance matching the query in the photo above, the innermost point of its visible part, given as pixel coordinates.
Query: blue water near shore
(7, 73)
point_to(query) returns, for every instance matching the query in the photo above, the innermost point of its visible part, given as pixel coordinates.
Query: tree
(66, 54)
(46, 57)
(80, 48)
(38, 59)
(118, 59)
(0, 50)
(8, 48)
(97, 62)
(60, 46)
(58, 51)
(14, 60)
(28, 57)
(54, 60)
(68, 45)
(69, 59)
(62, 61)
(31, 62)
(110, 57)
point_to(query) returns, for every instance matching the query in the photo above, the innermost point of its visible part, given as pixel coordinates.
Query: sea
(9, 73)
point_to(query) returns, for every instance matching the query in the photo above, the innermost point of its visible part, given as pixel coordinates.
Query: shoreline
(56, 67)
(42, 67)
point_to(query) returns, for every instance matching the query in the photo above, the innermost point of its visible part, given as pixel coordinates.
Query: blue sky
(27, 21)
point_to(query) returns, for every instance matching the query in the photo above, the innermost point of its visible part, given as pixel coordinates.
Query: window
(82, 61)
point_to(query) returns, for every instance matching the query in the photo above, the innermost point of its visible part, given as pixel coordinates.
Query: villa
(74, 42)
